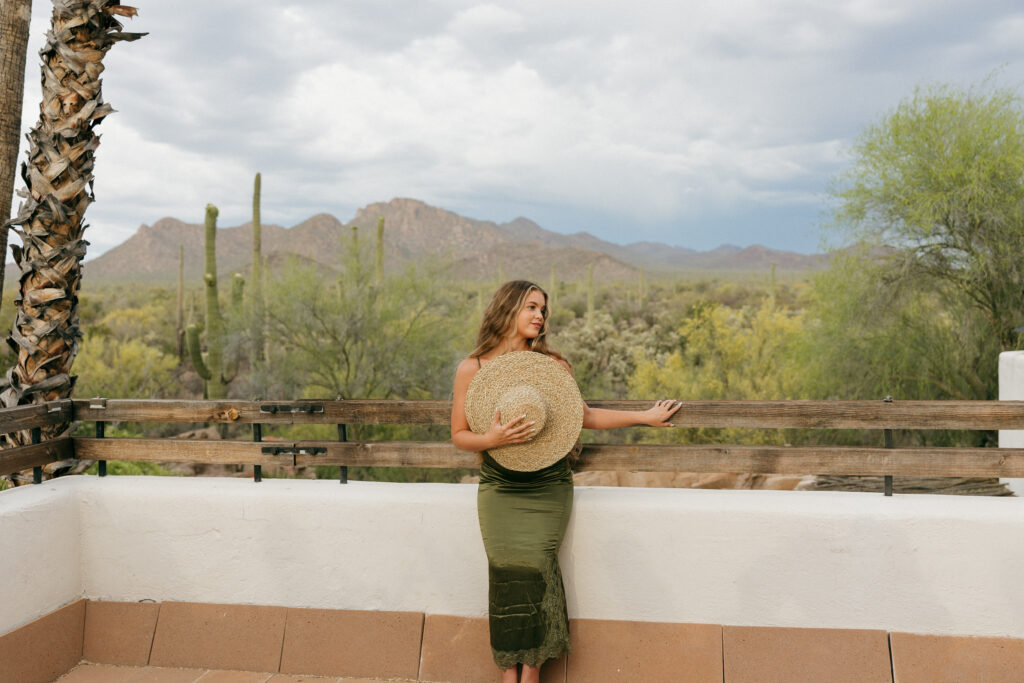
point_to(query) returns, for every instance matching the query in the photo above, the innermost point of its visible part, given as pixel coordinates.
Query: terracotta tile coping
(88, 640)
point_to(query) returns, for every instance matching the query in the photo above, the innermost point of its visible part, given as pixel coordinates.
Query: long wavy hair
(499, 321)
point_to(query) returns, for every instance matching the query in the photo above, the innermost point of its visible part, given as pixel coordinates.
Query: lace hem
(556, 640)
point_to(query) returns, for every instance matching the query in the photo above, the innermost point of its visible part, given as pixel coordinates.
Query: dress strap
(478, 364)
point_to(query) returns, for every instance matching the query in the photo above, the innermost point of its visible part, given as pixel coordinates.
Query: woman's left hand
(658, 415)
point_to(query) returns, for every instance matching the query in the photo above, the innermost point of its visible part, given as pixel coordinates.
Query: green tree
(867, 339)
(354, 338)
(937, 186)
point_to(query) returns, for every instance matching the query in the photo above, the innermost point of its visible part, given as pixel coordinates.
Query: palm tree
(14, 21)
(58, 176)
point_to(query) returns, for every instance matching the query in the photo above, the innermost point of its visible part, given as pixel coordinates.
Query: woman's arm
(656, 416)
(466, 439)
(599, 418)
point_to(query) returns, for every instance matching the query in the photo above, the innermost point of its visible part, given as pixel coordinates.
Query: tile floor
(107, 673)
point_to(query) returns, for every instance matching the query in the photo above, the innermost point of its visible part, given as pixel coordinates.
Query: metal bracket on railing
(342, 437)
(343, 469)
(888, 444)
(97, 403)
(293, 450)
(54, 407)
(280, 450)
(100, 433)
(257, 436)
(275, 408)
(37, 471)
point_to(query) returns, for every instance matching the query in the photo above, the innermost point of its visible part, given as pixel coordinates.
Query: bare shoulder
(467, 370)
(565, 364)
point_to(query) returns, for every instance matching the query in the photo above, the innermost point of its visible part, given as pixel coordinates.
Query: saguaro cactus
(180, 329)
(380, 250)
(257, 320)
(215, 374)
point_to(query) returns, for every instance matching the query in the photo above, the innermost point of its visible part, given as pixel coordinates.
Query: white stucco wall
(40, 551)
(927, 564)
(1011, 388)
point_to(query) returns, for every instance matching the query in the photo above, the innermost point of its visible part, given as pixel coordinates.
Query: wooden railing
(844, 460)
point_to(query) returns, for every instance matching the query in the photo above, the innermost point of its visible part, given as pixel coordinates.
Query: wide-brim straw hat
(536, 384)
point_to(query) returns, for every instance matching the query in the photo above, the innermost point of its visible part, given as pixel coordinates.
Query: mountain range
(474, 249)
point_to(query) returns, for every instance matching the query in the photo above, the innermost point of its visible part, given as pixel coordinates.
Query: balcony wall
(919, 564)
(40, 550)
(1011, 388)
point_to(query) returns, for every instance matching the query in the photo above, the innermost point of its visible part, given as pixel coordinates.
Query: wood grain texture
(35, 455)
(748, 414)
(43, 415)
(284, 412)
(940, 462)
(179, 450)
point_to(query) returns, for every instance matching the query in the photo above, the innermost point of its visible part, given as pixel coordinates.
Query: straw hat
(535, 384)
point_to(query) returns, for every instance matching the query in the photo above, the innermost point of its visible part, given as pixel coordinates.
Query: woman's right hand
(515, 431)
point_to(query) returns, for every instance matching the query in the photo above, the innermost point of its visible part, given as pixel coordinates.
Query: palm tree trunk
(14, 21)
(58, 178)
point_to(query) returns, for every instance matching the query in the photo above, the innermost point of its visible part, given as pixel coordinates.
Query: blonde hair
(499, 320)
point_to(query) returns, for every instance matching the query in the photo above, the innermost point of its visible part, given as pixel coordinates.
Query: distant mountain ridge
(476, 249)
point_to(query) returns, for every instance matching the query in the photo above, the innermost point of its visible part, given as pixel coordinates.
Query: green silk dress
(523, 517)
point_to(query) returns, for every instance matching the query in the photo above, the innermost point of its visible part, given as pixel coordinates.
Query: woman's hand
(660, 413)
(511, 433)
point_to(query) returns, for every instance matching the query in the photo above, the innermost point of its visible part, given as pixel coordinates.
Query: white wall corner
(1011, 388)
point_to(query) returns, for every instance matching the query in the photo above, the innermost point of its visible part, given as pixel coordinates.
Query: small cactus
(551, 288)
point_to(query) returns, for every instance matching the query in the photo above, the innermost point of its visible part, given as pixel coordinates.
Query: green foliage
(869, 338)
(590, 293)
(358, 339)
(147, 324)
(132, 469)
(937, 185)
(604, 354)
(921, 308)
(725, 354)
(110, 367)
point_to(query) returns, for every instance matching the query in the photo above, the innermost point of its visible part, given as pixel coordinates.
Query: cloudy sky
(691, 123)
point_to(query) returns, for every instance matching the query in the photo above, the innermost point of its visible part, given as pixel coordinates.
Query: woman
(523, 515)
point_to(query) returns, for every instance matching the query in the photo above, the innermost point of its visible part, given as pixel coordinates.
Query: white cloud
(487, 18)
(649, 111)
